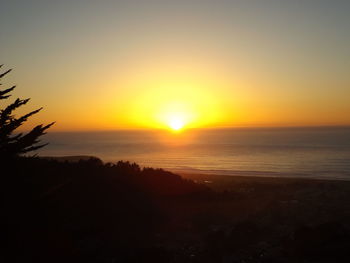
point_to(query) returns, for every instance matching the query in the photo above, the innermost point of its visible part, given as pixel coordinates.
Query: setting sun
(176, 124)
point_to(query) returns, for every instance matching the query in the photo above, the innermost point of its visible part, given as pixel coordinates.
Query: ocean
(282, 152)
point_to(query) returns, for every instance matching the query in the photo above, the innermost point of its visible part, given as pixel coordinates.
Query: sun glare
(176, 124)
(173, 107)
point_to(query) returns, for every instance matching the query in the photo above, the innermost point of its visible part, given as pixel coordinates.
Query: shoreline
(216, 174)
(232, 182)
(263, 175)
(102, 208)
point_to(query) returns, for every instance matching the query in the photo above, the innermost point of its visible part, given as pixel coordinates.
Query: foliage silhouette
(117, 207)
(58, 210)
(14, 145)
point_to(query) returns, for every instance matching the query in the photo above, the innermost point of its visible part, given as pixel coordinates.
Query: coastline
(258, 175)
(219, 175)
(221, 182)
(79, 202)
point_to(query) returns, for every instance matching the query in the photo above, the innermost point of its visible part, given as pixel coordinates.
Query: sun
(175, 116)
(176, 124)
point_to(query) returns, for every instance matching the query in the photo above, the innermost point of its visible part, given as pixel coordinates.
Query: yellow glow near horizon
(152, 95)
(176, 124)
(170, 99)
(216, 64)
(175, 115)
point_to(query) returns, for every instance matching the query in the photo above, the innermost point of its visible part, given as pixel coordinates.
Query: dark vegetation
(12, 144)
(56, 210)
(87, 211)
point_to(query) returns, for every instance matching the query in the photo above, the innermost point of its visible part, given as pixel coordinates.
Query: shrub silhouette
(12, 145)
(87, 211)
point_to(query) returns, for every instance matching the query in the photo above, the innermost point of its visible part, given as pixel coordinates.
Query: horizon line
(202, 128)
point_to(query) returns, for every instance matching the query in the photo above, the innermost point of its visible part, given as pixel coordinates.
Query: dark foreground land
(88, 211)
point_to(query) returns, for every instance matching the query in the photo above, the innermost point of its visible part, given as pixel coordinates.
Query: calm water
(302, 152)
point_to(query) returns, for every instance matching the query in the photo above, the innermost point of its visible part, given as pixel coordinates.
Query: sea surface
(282, 152)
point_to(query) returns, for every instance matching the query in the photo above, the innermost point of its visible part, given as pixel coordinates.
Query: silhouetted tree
(12, 145)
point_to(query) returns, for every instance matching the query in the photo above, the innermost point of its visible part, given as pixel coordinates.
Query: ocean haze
(283, 152)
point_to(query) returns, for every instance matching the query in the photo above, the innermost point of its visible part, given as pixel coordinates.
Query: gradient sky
(97, 65)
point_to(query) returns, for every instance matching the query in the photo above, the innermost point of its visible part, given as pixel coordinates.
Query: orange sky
(146, 64)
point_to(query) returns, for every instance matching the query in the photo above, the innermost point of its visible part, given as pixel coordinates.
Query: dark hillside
(84, 210)
(87, 211)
